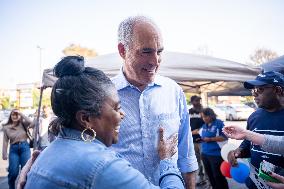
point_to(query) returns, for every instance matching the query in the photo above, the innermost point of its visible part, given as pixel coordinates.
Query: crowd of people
(135, 131)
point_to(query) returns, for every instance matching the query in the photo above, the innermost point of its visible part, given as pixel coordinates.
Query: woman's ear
(83, 118)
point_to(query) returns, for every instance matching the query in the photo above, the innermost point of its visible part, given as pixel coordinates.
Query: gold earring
(87, 137)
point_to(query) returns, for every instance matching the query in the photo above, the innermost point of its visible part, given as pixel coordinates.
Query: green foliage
(74, 49)
(14, 104)
(35, 97)
(45, 97)
(248, 99)
(188, 96)
(5, 102)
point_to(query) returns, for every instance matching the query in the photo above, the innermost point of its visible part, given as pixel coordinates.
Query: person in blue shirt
(212, 141)
(150, 101)
(268, 92)
(88, 112)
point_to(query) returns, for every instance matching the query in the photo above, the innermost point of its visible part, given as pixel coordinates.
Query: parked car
(236, 111)
(252, 105)
(29, 112)
(221, 113)
(4, 114)
(3, 122)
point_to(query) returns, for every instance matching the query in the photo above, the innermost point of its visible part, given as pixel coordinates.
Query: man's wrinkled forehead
(147, 36)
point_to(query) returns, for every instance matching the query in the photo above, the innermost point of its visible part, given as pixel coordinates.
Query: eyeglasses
(259, 90)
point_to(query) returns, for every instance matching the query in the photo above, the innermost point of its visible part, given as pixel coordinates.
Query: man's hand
(233, 155)
(24, 172)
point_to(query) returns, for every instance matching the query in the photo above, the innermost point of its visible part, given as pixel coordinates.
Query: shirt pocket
(170, 122)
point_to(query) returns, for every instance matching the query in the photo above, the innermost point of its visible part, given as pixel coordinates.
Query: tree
(262, 55)
(5, 102)
(78, 50)
(45, 97)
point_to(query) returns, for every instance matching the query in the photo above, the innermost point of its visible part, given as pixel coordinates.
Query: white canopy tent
(276, 64)
(195, 73)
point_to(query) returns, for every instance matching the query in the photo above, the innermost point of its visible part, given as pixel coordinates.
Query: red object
(225, 169)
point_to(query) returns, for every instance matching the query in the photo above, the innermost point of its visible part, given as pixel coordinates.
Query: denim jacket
(71, 163)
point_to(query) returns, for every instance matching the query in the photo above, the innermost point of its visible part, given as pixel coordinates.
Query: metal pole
(36, 129)
(40, 62)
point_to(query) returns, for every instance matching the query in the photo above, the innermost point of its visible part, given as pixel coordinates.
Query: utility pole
(40, 62)
(36, 142)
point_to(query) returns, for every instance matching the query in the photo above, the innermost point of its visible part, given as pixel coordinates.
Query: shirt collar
(212, 123)
(67, 133)
(121, 81)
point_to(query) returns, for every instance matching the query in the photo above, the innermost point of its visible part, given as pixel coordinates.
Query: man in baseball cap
(267, 90)
(266, 78)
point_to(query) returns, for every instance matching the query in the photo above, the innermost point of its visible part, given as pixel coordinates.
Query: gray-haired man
(150, 101)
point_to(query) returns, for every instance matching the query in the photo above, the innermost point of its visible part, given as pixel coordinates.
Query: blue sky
(228, 29)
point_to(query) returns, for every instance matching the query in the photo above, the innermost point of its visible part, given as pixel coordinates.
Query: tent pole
(204, 98)
(36, 129)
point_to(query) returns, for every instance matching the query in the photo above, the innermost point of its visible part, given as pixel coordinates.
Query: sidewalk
(4, 183)
(232, 185)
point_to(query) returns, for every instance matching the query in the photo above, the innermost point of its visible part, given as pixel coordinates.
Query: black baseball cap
(195, 97)
(266, 78)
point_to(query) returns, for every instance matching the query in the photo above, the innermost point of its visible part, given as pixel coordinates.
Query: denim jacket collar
(73, 134)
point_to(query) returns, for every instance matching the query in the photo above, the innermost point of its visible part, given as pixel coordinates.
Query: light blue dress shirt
(161, 104)
(71, 163)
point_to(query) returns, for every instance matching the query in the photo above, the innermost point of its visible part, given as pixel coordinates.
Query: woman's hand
(18, 112)
(276, 185)
(167, 148)
(235, 132)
